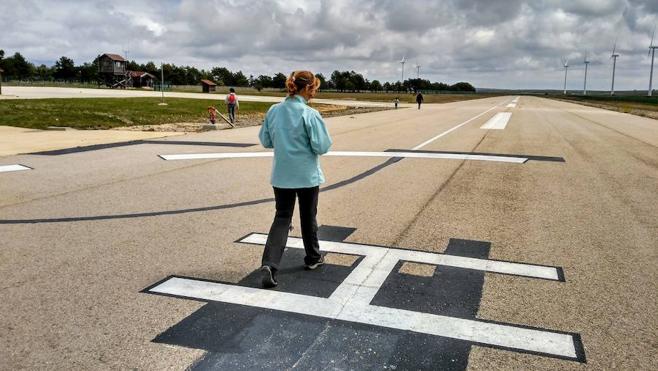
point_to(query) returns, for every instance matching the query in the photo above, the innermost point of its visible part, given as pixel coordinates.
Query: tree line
(17, 67)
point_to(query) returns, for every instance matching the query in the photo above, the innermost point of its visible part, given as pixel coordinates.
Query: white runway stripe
(498, 122)
(450, 156)
(511, 105)
(7, 168)
(508, 336)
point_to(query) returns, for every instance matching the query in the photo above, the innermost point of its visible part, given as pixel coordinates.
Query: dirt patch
(244, 120)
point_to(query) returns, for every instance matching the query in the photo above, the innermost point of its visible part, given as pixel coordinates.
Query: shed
(142, 79)
(112, 64)
(208, 86)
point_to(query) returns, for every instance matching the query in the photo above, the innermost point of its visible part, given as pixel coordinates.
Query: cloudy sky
(490, 43)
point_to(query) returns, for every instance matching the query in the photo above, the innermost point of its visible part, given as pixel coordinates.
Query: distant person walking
(232, 104)
(419, 99)
(397, 101)
(299, 136)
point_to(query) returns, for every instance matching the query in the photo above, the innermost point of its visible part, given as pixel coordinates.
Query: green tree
(279, 81)
(88, 72)
(462, 86)
(375, 85)
(45, 73)
(65, 69)
(222, 76)
(17, 67)
(239, 79)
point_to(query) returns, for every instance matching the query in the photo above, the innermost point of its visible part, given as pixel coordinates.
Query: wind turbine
(614, 57)
(402, 62)
(565, 64)
(418, 71)
(585, 83)
(652, 51)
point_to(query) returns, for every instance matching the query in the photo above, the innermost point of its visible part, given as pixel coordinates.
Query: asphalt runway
(499, 233)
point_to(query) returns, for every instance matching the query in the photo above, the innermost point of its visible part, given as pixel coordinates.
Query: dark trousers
(285, 205)
(231, 112)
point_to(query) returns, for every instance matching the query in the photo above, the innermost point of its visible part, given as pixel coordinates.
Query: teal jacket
(299, 136)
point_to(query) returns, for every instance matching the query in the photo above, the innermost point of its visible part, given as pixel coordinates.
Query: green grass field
(107, 113)
(363, 96)
(635, 104)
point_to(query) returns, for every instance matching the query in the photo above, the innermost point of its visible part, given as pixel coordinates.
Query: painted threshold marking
(498, 122)
(16, 167)
(451, 156)
(351, 299)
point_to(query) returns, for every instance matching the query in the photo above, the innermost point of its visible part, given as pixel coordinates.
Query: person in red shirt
(232, 104)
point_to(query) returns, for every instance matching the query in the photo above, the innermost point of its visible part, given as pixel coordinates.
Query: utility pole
(162, 103)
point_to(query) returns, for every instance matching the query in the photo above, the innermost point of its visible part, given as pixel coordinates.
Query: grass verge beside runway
(108, 113)
(636, 105)
(361, 96)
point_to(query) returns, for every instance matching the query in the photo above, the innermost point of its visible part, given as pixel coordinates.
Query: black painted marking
(192, 143)
(340, 184)
(96, 147)
(334, 233)
(29, 167)
(241, 337)
(529, 157)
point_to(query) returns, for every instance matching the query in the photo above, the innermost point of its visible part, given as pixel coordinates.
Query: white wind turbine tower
(402, 62)
(652, 51)
(418, 71)
(565, 64)
(614, 57)
(585, 83)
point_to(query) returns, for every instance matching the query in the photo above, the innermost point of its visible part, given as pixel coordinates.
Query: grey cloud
(512, 43)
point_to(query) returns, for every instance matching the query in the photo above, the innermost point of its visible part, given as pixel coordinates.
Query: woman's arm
(317, 132)
(264, 134)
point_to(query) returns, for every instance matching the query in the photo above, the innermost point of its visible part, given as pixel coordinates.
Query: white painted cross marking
(351, 299)
(7, 168)
(498, 122)
(449, 156)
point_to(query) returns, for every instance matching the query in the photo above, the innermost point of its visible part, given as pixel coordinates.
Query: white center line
(16, 167)
(453, 128)
(448, 156)
(498, 122)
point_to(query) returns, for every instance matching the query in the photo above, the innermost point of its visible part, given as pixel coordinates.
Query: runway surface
(499, 233)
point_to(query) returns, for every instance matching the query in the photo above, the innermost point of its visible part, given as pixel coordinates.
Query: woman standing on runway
(299, 136)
